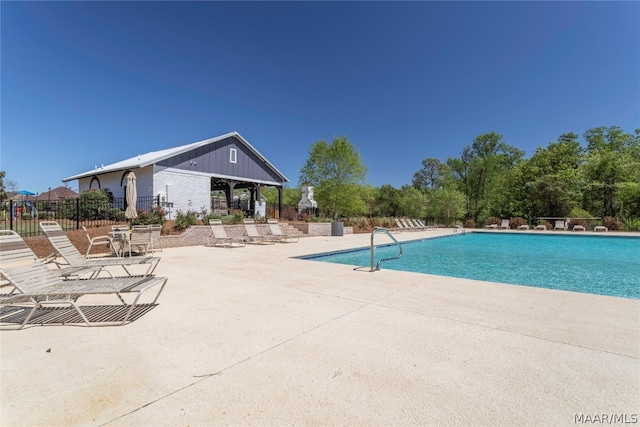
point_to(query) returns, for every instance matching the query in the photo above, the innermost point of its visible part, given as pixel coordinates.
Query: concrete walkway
(250, 336)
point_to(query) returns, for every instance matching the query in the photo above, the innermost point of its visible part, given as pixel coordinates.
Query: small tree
(337, 173)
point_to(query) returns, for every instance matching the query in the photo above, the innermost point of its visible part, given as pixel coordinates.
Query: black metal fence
(23, 216)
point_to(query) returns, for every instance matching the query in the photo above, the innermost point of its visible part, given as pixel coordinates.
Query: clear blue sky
(90, 83)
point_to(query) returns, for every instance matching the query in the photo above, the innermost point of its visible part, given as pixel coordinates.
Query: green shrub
(631, 224)
(185, 220)
(155, 216)
(95, 204)
(116, 214)
(238, 216)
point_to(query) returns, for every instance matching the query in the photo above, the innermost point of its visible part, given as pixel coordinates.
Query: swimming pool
(591, 264)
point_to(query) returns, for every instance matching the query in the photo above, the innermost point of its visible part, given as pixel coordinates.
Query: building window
(233, 155)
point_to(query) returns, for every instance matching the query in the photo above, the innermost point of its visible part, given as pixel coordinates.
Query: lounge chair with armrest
(254, 236)
(219, 236)
(278, 235)
(46, 293)
(73, 258)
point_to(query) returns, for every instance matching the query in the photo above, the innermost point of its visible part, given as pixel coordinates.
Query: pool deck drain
(252, 336)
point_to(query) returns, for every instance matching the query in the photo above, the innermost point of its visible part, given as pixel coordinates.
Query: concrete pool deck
(250, 336)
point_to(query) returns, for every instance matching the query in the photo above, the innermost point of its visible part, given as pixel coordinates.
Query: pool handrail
(373, 233)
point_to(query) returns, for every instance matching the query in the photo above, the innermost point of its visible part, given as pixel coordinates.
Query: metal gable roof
(153, 157)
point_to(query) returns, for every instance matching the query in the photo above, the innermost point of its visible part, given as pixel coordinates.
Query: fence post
(78, 213)
(10, 214)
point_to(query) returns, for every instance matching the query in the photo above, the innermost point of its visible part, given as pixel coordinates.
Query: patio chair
(38, 287)
(156, 231)
(278, 235)
(140, 238)
(121, 234)
(504, 225)
(560, 225)
(219, 236)
(253, 236)
(99, 240)
(73, 258)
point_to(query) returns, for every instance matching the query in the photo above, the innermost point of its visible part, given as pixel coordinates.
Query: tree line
(489, 179)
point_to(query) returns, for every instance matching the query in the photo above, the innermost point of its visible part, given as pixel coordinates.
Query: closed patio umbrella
(131, 197)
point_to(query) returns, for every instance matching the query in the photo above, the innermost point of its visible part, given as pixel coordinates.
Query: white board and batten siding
(116, 182)
(188, 191)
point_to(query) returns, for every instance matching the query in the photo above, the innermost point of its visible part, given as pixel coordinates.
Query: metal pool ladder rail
(373, 233)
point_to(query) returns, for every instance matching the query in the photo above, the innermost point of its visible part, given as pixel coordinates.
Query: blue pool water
(590, 264)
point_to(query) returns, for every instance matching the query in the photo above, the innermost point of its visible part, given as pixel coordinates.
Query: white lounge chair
(219, 236)
(504, 225)
(45, 292)
(560, 225)
(14, 251)
(600, 228)
(578, 227)
(400, 226)
(73, 258)
(253, 236)
(491, 226)
(278, 235)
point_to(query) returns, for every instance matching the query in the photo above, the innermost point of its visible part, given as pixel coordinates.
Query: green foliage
(387, 201)
(3, 190)
(290, 196)
(631, 224)
(482, 173)
(433, 175)
(155, 216)
(116, 214)
(238, 216)
(185, 220)
(336, 172)
(446, 206)
(411, 202)
(95, 204)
